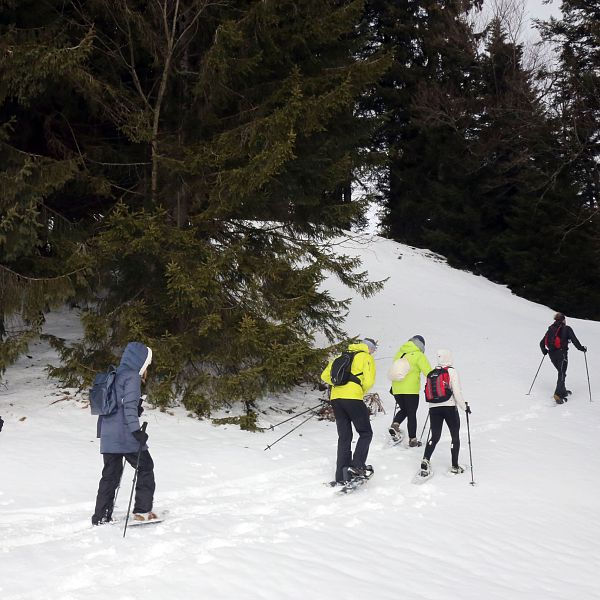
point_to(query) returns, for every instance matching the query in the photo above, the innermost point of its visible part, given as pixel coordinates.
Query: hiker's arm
(326, 374)
(457, 389)
(368, 373)
(543, 346)
(132, 390)
(424, 365)
(575, 341)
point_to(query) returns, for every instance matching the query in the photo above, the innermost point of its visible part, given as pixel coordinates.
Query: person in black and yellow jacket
(349, 409)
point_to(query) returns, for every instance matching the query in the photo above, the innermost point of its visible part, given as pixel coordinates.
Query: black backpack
(341, 369)
(553, 340)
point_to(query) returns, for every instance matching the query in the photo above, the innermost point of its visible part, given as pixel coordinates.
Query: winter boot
(360, 472)
(456, 470)
(414, 442)
(425, 468)
(558, 399)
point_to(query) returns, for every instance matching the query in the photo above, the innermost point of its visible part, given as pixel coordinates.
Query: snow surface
(245, 523)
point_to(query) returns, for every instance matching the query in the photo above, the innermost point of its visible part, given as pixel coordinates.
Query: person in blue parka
(121, 437)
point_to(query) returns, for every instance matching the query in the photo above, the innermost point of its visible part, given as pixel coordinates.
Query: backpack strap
(354, 377)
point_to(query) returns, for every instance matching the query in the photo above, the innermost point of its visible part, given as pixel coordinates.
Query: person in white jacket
(446, 411)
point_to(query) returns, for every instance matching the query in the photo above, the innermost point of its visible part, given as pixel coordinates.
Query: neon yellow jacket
(411, 384)
(363, 366)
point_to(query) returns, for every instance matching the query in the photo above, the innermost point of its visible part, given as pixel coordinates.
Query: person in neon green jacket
(349, 409)
(406, 392)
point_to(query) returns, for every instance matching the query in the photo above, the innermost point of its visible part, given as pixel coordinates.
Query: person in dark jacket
(121, 437)
(556, 345)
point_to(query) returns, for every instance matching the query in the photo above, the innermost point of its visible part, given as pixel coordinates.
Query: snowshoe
(334, 483)
(456, 470)
(424, 473)
(103, 520)
(144, 518)
(356, 477)
(395, 433)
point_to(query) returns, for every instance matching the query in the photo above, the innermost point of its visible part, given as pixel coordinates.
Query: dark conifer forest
(180, 169)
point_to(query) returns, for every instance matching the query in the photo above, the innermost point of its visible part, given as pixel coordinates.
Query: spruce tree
(433, 51)
(39, 258)
(576, 39)
(219, 136)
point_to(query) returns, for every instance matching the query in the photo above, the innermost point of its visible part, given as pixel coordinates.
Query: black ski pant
(437, 416)
(111, 478)
(407, 405)
(560, 361)
(348, 413)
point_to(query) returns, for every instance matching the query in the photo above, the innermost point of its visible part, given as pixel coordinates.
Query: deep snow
(246, 523)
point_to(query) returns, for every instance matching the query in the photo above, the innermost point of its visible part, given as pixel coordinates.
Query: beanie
(371, 344)
(418, 341)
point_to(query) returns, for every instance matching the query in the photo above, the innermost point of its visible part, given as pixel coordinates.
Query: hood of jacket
(444, 358)
(408, 348)
(136, 357)
(359, 347)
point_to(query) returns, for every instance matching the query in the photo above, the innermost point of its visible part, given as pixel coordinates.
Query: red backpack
(437, 385)
(552, 339)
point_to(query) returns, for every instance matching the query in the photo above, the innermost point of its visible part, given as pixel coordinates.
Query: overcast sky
(530, 9)
(538, 10)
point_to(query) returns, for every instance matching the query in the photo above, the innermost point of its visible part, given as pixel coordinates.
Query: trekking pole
(536, 374)
(588, 374)
(423, 431)
(298, 415)
(137, 465)
(468, 411)
(269, 446)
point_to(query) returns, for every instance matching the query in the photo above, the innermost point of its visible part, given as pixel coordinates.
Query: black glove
(544, 351)
(140, 407)
(468, 411)
(584, 349)
(1, 423)
(140, 436)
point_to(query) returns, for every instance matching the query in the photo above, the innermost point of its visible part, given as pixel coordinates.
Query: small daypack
(103, 393)
(341, 369)
(399, 369)
(552, 339)
(437, 385)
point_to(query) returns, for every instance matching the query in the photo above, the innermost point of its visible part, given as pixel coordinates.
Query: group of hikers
(350, 376)
(405, 389)
(443, 403)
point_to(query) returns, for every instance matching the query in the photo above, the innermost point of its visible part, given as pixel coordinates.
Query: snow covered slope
(245, 523)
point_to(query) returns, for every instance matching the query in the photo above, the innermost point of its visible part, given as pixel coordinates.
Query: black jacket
(565, 334)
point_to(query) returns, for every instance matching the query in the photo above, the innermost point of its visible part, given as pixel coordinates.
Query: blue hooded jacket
(115, 431)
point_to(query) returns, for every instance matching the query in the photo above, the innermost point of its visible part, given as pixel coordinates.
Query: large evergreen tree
(40, 262)
(576, 39)
(219, 136)
(477, 170)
